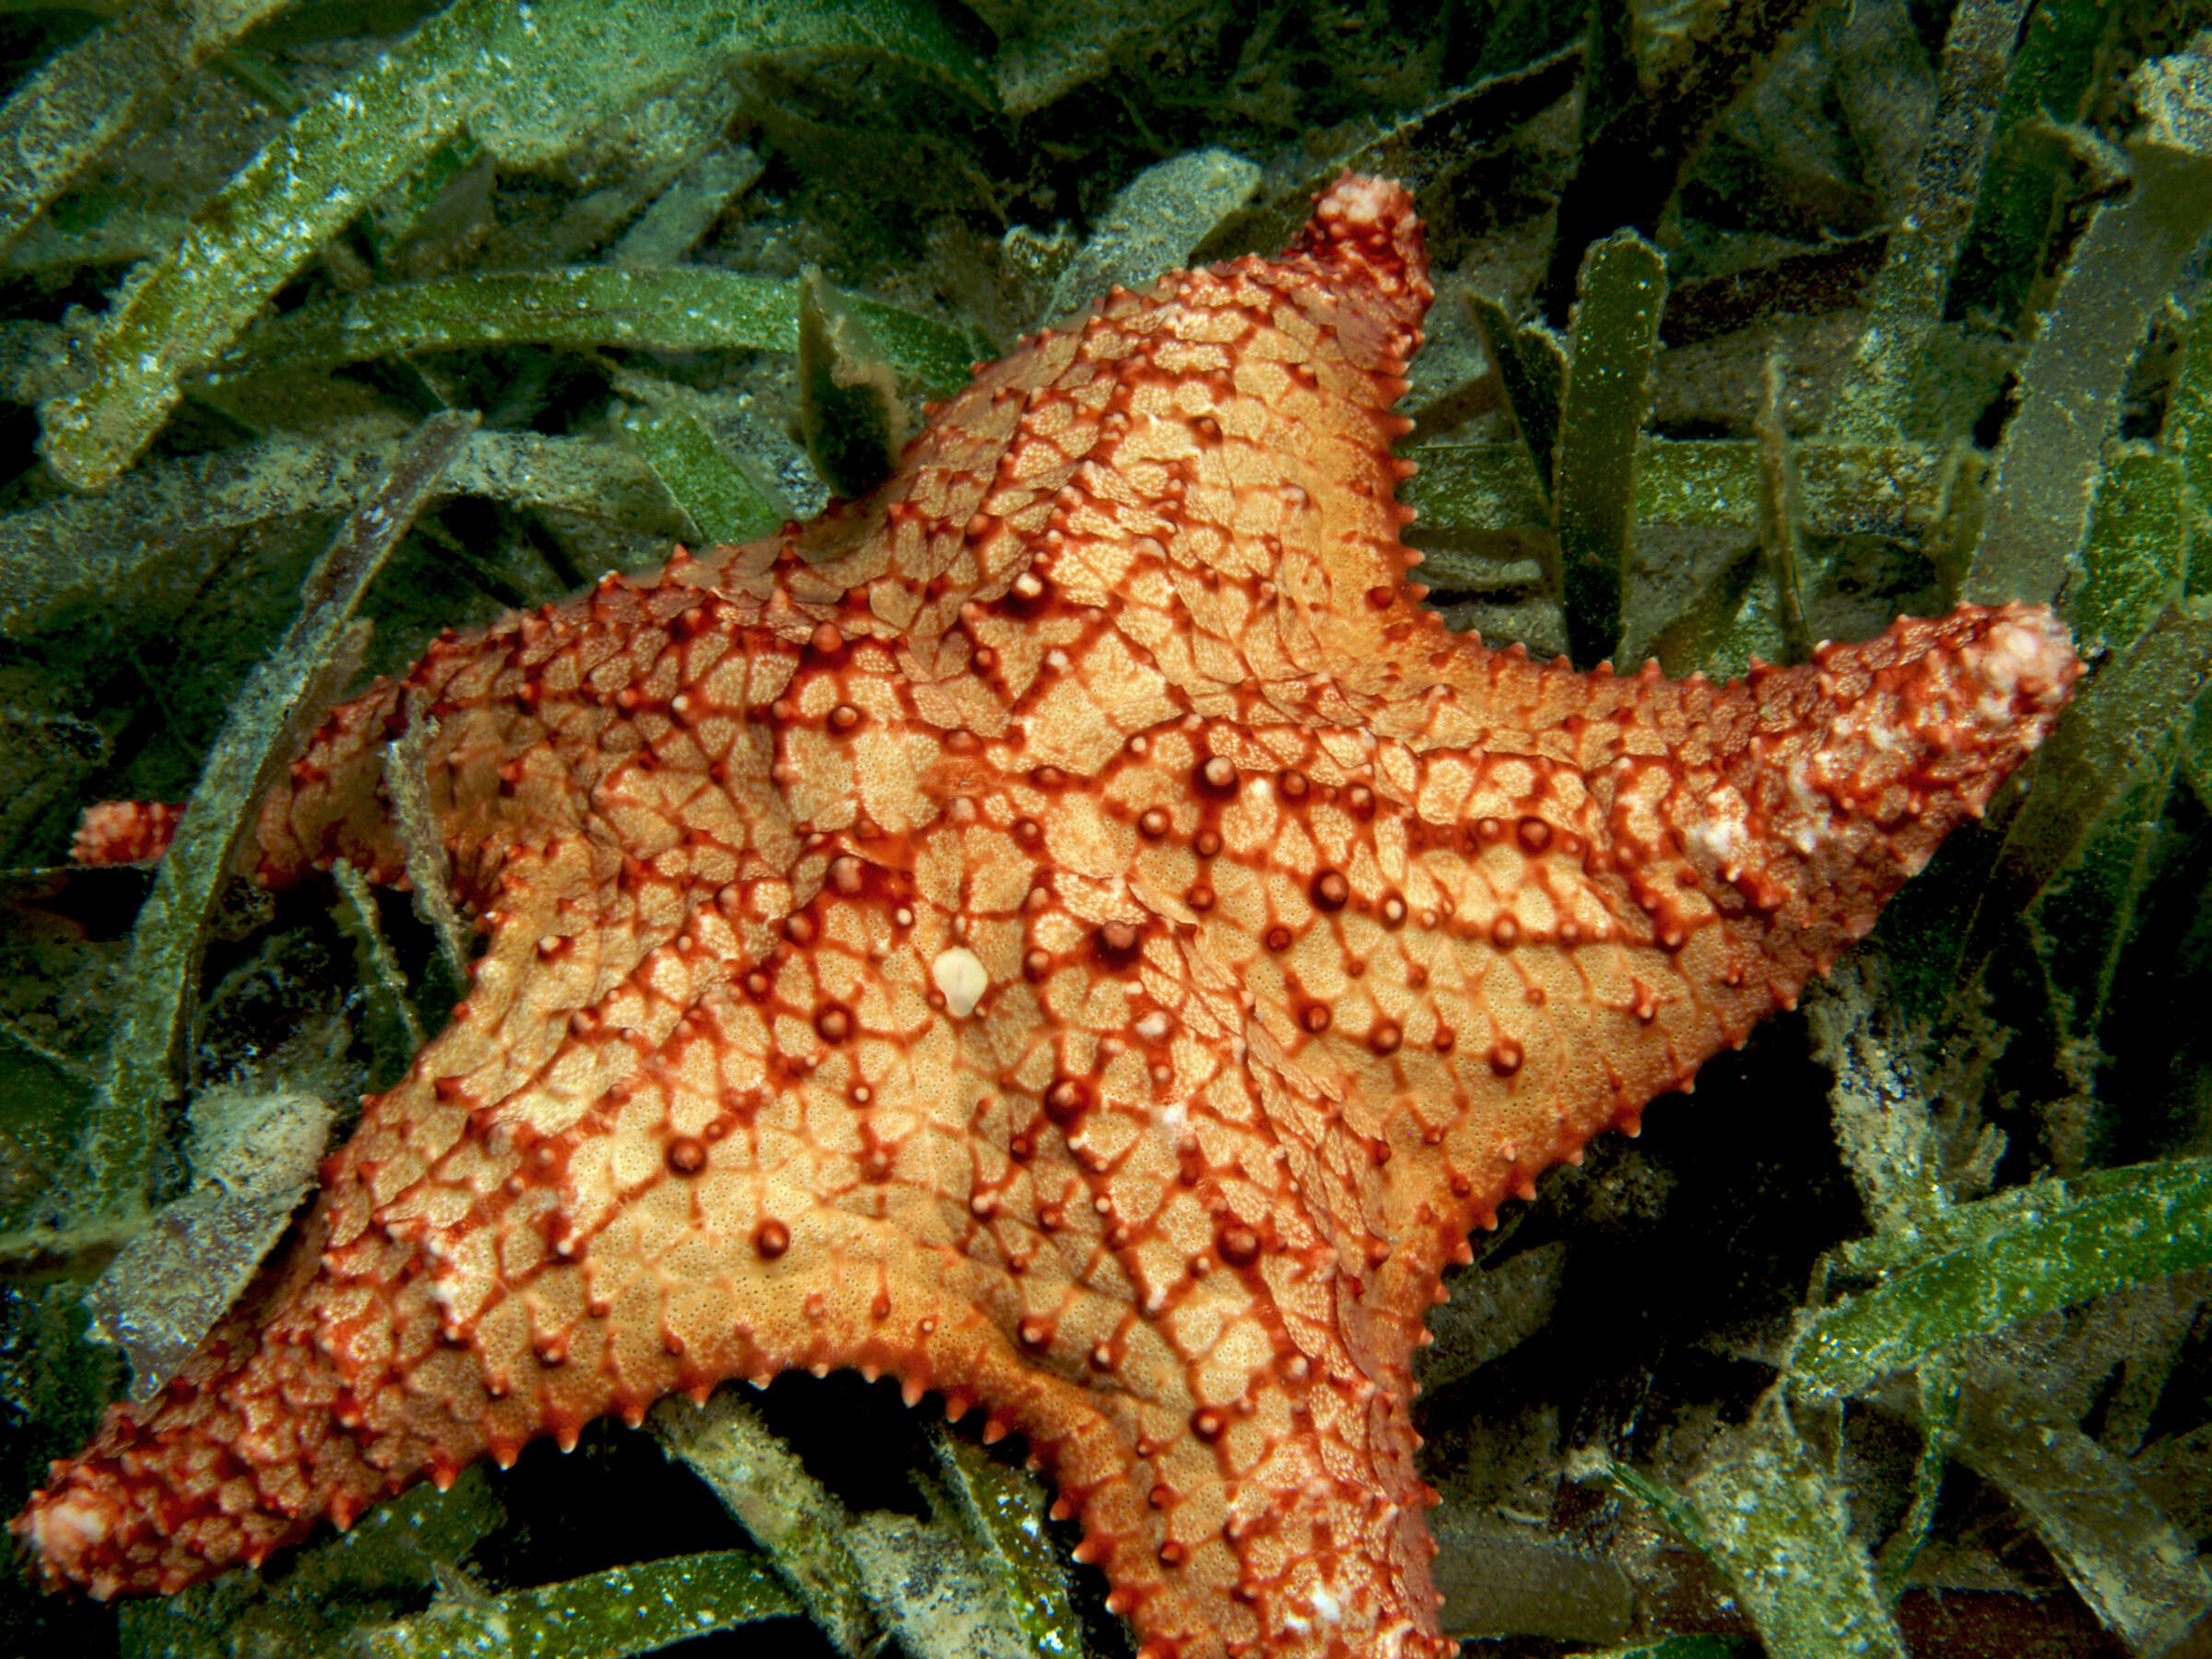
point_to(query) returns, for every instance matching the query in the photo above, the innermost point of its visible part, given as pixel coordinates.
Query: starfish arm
(343, 1374)
(1187, 1242)
(1491, 940)
(592, 768)
(1463, 952)
(624, 1174)
(633, 715)
(1194, 479)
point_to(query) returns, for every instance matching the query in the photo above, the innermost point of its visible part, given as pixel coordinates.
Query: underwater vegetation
(329, 327)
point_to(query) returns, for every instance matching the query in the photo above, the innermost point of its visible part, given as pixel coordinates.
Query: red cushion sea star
(1068, 930)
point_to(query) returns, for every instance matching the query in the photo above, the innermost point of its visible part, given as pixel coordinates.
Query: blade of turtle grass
(1433, 146)
(2062, 56)
(1905, 302)
(395, 1028)
(406, 779)
(1862, 490)
(1151, 225)
(1890, 489)
(671, 309)
(597, 480)
(2138, 1224)
(1610, 349)
(174, 316)
(684, 212)
(1891, 1141)
(849, 406)
(395, 218)
(1532, 367)
(1937, 1381)
(120, 236)
(1714, 633)
(1638, 139)
(1776, 1525)
(2187, 438)
(881, 1577)
(1884, 1126)
(1613, 81)
(2116, 727)
(610, 1615)
(66, 551)
(2187, 441)
(1496, 1576)
(314, 1608)
(1968, 1227)
(525, 80)
(1781, 514)
(112, 1167)
(60, 120)
(2120, 274)
(1506, 569)
(1736, 619)
(257, 77)
(255, 1154)
(2196, 754)
(1815, 280)
(766, 1488)
(2083, 919)
(2136, 556)
(1467, 487)
(1662, 1500)
(1002, 1511)
(1491, 1313)
(2118, 1548)
(721, 503)
(576, 63)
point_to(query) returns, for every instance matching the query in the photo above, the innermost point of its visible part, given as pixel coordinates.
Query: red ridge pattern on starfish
(1068, 930)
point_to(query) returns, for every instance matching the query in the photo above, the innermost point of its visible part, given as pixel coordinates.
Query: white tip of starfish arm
(63, 1531)
(2028, 652)
(1359, 199)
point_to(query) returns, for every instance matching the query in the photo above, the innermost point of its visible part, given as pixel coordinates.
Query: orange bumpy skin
(113, 833)
(1070, 931)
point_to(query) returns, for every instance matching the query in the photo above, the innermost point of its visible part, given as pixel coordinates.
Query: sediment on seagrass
(110, 1176)
(519, 81)
(679, 309)
(2121, 273)
(1905, 302)
(1603, 401)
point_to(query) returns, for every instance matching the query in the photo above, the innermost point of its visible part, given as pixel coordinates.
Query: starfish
(1068, 930)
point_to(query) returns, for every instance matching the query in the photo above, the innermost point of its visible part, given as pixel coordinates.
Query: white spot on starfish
(958, 972)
